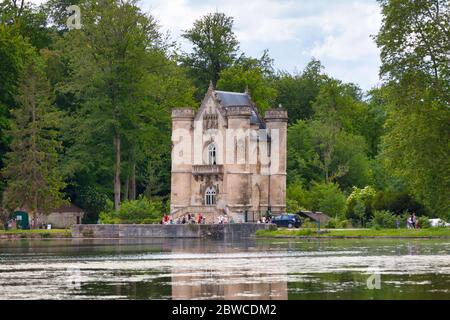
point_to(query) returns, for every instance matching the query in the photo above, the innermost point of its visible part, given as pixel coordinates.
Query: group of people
(412, 222)
(186, 219)
(265, 220)
(200, 219)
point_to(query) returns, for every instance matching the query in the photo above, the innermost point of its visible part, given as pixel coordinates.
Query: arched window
(212, 154)
(210, 196)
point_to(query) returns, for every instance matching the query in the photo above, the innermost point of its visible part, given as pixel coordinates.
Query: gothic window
(212, 154)
(210, 196)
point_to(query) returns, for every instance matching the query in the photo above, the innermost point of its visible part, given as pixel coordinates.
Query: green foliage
(92, 201)
(414, 43)
(414, 38)
(15, 53)
(384, 219)
(327, 198)
(140, 211)
(214, 48)
(249, 74)
(296, 93)
(33, 180)
(336, 223)
(297, 197)
(323, 197)
(397, 202)
(360, 204)
(28, 21)
(424, 222)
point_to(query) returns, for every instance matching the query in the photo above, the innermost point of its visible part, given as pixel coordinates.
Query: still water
(203, 269)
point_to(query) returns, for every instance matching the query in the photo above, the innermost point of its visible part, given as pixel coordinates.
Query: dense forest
(85, 111)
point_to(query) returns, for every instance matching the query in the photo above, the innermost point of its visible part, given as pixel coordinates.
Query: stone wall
(213, 231)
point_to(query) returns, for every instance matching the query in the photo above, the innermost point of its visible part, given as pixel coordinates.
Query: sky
(337, 32)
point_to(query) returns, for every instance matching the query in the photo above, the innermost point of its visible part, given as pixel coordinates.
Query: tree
(415, 40)
(33, 181)
(126, 83)
(214, 48)
(111, 57)
(296, 93)
(327, 198)
(15, 53)
(250, 74)
(27, 20)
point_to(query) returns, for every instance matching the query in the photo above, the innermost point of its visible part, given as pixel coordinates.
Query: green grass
(42, 232)
(431, 232)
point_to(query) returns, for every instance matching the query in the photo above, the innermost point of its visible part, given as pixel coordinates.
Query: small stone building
(62, 217)
(228, 159)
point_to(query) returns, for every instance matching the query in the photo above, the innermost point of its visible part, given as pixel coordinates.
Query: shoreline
(429, 233)
(303, 234)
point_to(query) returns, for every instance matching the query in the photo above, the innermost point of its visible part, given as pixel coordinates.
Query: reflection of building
(185, 287)
(227, 159)
(227, 282)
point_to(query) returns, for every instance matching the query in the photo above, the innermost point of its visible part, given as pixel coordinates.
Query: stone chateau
(228, 159)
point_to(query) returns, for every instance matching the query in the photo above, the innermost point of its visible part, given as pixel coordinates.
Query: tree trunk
(132, 192)
(126, 192)
(117, 172)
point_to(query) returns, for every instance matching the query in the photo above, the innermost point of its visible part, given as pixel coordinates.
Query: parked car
(287, 220)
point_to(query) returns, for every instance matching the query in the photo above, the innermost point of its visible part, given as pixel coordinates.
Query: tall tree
(110, 58)
(297, 92)
(33, 181)
(252, 75)
(415, 41)
(214, 48)
(15, 53)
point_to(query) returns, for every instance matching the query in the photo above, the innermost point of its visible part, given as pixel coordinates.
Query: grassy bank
(36, 233)
(356, 233)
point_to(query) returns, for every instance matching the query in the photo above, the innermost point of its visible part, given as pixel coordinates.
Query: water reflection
(202, 269)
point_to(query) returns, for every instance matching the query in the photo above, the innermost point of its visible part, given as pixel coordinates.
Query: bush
(308, 223)
(334, 223)
(137, 211)
(359, 204)
(384, 219)
(327, 198)
(296, 197)
(424, 222)
(397, 202)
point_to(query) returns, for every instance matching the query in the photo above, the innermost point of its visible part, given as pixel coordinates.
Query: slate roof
(234, 99)
(229, 99)
(315, 216)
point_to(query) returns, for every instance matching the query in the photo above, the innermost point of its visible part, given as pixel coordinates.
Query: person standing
(414, 220)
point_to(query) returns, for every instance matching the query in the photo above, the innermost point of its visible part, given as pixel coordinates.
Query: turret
(276, 124)
(182, 132)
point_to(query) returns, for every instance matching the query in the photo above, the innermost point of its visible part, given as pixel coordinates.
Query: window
(210, 196)
(212, 154)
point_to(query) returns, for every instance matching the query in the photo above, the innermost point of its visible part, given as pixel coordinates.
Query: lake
(207, 269)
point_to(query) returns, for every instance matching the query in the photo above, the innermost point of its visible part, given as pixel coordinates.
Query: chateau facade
(227, 159)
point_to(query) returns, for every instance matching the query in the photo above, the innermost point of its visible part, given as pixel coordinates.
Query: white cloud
(336, 32)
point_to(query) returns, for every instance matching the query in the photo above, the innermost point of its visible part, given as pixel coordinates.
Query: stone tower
(182, 126)
(276, 124)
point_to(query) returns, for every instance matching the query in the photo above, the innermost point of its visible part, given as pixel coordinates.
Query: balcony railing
(207, 169)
